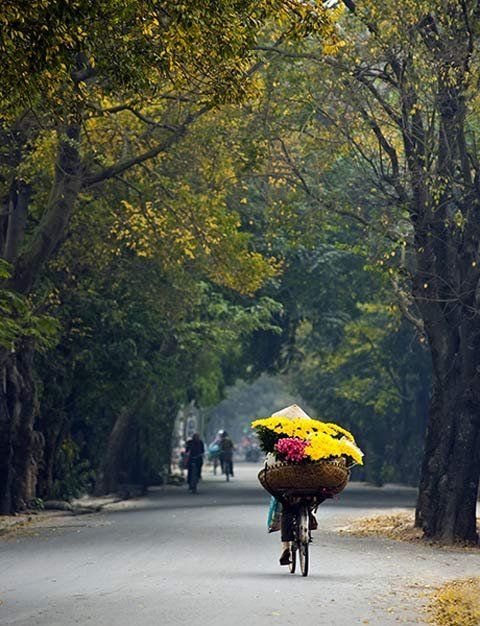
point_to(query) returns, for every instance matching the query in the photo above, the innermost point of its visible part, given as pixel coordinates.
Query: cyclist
(281, 515)
(214, 451)
(286, 528)
(226, 454)
(195, 450)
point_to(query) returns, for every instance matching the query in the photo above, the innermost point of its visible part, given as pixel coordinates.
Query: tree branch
(404, 304)
(89, 180)
(63, 195)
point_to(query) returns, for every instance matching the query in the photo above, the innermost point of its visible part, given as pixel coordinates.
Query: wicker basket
(307, 479)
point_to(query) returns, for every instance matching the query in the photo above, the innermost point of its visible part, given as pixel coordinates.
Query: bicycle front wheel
(303, 539)
(303, 554)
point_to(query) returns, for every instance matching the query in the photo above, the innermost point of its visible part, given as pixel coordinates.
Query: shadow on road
(213, 494)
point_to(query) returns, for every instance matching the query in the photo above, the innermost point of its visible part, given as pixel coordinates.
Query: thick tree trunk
(21, 446)
(54, 438)
(6, 445)
(446, 508)
(111, 472)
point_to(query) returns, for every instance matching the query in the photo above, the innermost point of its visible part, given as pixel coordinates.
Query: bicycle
(300, 510)
(298, 506)
(227, 466)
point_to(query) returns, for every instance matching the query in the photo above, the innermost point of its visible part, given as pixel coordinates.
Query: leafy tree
(145, 292)
(399, 102)
(73, 72)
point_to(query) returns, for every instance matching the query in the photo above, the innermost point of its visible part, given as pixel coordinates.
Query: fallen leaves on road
(456, 603)
(10, 524)
(398, 526)
(14, 526)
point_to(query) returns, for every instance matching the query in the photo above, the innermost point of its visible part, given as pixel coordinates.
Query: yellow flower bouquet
(301, 439)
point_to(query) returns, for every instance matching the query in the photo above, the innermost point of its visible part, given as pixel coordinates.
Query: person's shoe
(312, 522)
(285, 558)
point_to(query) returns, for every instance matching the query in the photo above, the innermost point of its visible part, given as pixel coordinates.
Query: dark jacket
(226, 448)
(194, 448)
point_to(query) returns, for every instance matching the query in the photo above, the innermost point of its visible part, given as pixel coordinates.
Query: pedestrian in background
(194, 450)
(226, 454)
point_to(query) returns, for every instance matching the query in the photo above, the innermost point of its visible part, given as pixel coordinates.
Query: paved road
(207, 560)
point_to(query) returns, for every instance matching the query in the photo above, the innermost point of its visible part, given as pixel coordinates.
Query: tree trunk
(446, 508)
(6, 444)
(54, 437)
(21, 445)
(110, 474)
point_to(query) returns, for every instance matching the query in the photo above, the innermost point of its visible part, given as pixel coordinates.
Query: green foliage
(52, 50)
(144, 320)
(373, 376)
(74, 475)
(268, 438)
(38, 504)
(19, 321)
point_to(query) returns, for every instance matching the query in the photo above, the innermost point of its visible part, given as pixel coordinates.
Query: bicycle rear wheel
(293, 558)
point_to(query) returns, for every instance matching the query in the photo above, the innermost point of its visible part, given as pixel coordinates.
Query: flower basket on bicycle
(305, 457)
(309, 479)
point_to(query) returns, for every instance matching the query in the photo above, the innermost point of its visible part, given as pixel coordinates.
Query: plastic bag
(213, 451)
(274, 518)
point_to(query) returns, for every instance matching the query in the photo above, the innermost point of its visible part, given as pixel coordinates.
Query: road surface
(206, 559)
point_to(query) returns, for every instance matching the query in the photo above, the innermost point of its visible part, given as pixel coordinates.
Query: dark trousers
(195, 465)
(226, 459)
(288, 514)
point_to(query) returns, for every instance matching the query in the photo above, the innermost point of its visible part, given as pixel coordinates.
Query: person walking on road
(226, 454)
(194, 450)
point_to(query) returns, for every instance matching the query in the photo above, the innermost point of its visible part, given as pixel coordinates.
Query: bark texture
(114, 470)
(21, 444)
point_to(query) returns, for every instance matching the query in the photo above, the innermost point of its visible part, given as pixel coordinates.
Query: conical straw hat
(292, 412)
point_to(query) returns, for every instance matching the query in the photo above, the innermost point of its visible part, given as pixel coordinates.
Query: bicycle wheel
(293, 558)
(303, 550)
(303, 532)
(303, 539)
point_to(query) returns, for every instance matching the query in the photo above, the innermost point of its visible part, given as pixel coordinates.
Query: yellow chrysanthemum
(351, 449)
(298, 427)
(322, 446)
(326, 440)
(341, 431)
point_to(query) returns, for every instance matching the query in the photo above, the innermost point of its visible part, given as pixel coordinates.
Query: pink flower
(291, 448)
